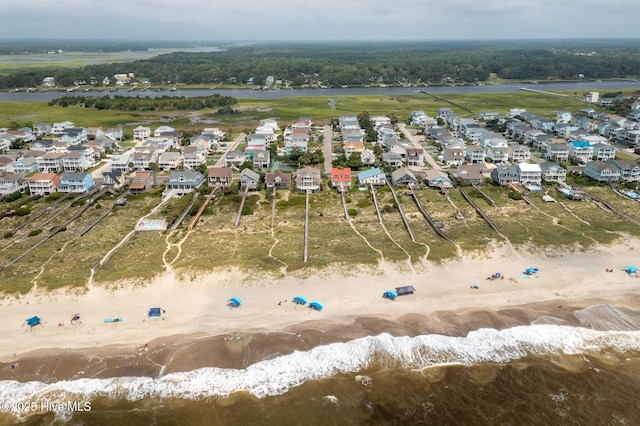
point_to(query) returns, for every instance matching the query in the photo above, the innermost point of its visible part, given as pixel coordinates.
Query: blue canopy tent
(630, 269)
(316, 305)
(531, 271)
(33, 321)
(299, 300)
(390, 295)
(154, 313)
(234, 302)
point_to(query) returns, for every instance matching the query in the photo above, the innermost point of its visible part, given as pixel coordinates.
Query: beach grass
(253, 247)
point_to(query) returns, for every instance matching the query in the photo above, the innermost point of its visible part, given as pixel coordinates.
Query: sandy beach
(198, 329)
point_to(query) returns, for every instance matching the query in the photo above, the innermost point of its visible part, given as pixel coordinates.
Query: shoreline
(199, 330)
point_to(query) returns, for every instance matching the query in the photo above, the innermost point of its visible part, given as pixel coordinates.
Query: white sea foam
(276, 376)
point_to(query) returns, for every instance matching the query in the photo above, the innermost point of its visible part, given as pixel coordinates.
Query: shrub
(22, 211)
(363, 204)
(246, 211)
(515, 195)
(35, 232)
(352, 212)
(8, 234)
(54, 196)
(12, 197)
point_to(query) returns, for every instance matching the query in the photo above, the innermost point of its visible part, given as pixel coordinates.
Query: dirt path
(34, 281)
(365, 240)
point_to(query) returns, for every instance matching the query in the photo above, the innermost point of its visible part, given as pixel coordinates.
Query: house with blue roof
(581, 151)
(374, 176)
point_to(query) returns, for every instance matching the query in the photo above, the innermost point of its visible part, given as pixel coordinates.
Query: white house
(529, 173)
(141, 133)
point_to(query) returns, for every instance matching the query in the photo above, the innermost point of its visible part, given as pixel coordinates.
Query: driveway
(411, 138)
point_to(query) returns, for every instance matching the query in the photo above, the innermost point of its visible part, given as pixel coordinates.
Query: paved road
(327, 151)
(97, 173)
(411, 138)
(241, 137)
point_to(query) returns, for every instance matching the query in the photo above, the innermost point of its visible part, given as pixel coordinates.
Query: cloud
(322, 20)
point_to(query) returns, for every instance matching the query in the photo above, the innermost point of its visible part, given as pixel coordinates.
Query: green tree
(354, 161)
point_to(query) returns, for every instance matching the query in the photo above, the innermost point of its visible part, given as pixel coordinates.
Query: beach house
(278, 180)
(76, 182)
(308, 179)
(374, 176)
(340, 178)
(222, 176)
(43, 183)
(182, 183)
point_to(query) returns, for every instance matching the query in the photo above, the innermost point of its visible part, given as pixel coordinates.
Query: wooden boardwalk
(185, 212)
(204, 205)
(478, 210)
(404, 216)
(274, 199)
(244, 198)
(305, 255)
(428, 218)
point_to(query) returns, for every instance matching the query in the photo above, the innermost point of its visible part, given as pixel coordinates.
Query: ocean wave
(607, 317)
(276, 376)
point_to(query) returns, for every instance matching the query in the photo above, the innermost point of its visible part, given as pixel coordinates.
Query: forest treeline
(366, 63)
(164, 103)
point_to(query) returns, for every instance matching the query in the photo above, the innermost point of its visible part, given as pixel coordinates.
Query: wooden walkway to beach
(305, 255)
(244, 198)
(274, 199)
(404, 216)
(204, 205)
(428, 218)
(478, 209)
(51, 208)
(344, 204)
(372, 190)
(185, 212)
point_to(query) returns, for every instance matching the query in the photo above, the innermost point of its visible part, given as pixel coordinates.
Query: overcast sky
(257, 20)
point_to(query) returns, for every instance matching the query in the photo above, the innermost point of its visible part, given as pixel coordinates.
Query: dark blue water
(605, 86)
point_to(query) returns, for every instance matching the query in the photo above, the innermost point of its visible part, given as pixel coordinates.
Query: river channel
(595, 86)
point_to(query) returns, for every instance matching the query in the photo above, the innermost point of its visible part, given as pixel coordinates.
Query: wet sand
(238, 350)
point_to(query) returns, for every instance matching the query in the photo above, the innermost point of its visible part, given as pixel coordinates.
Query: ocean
(549, 372)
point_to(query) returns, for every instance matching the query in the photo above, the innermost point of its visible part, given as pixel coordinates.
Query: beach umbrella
(390, 295)
(631, 269)
(300, 300)
(316, 305)
(234, 302)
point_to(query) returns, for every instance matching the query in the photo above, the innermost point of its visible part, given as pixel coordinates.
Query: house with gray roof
(602, 172)
(249, 179)
(629, 169)
(504, 175)
(403, 177)
(473, 174)
(308, 179)
(553, 172)
(184, 182)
